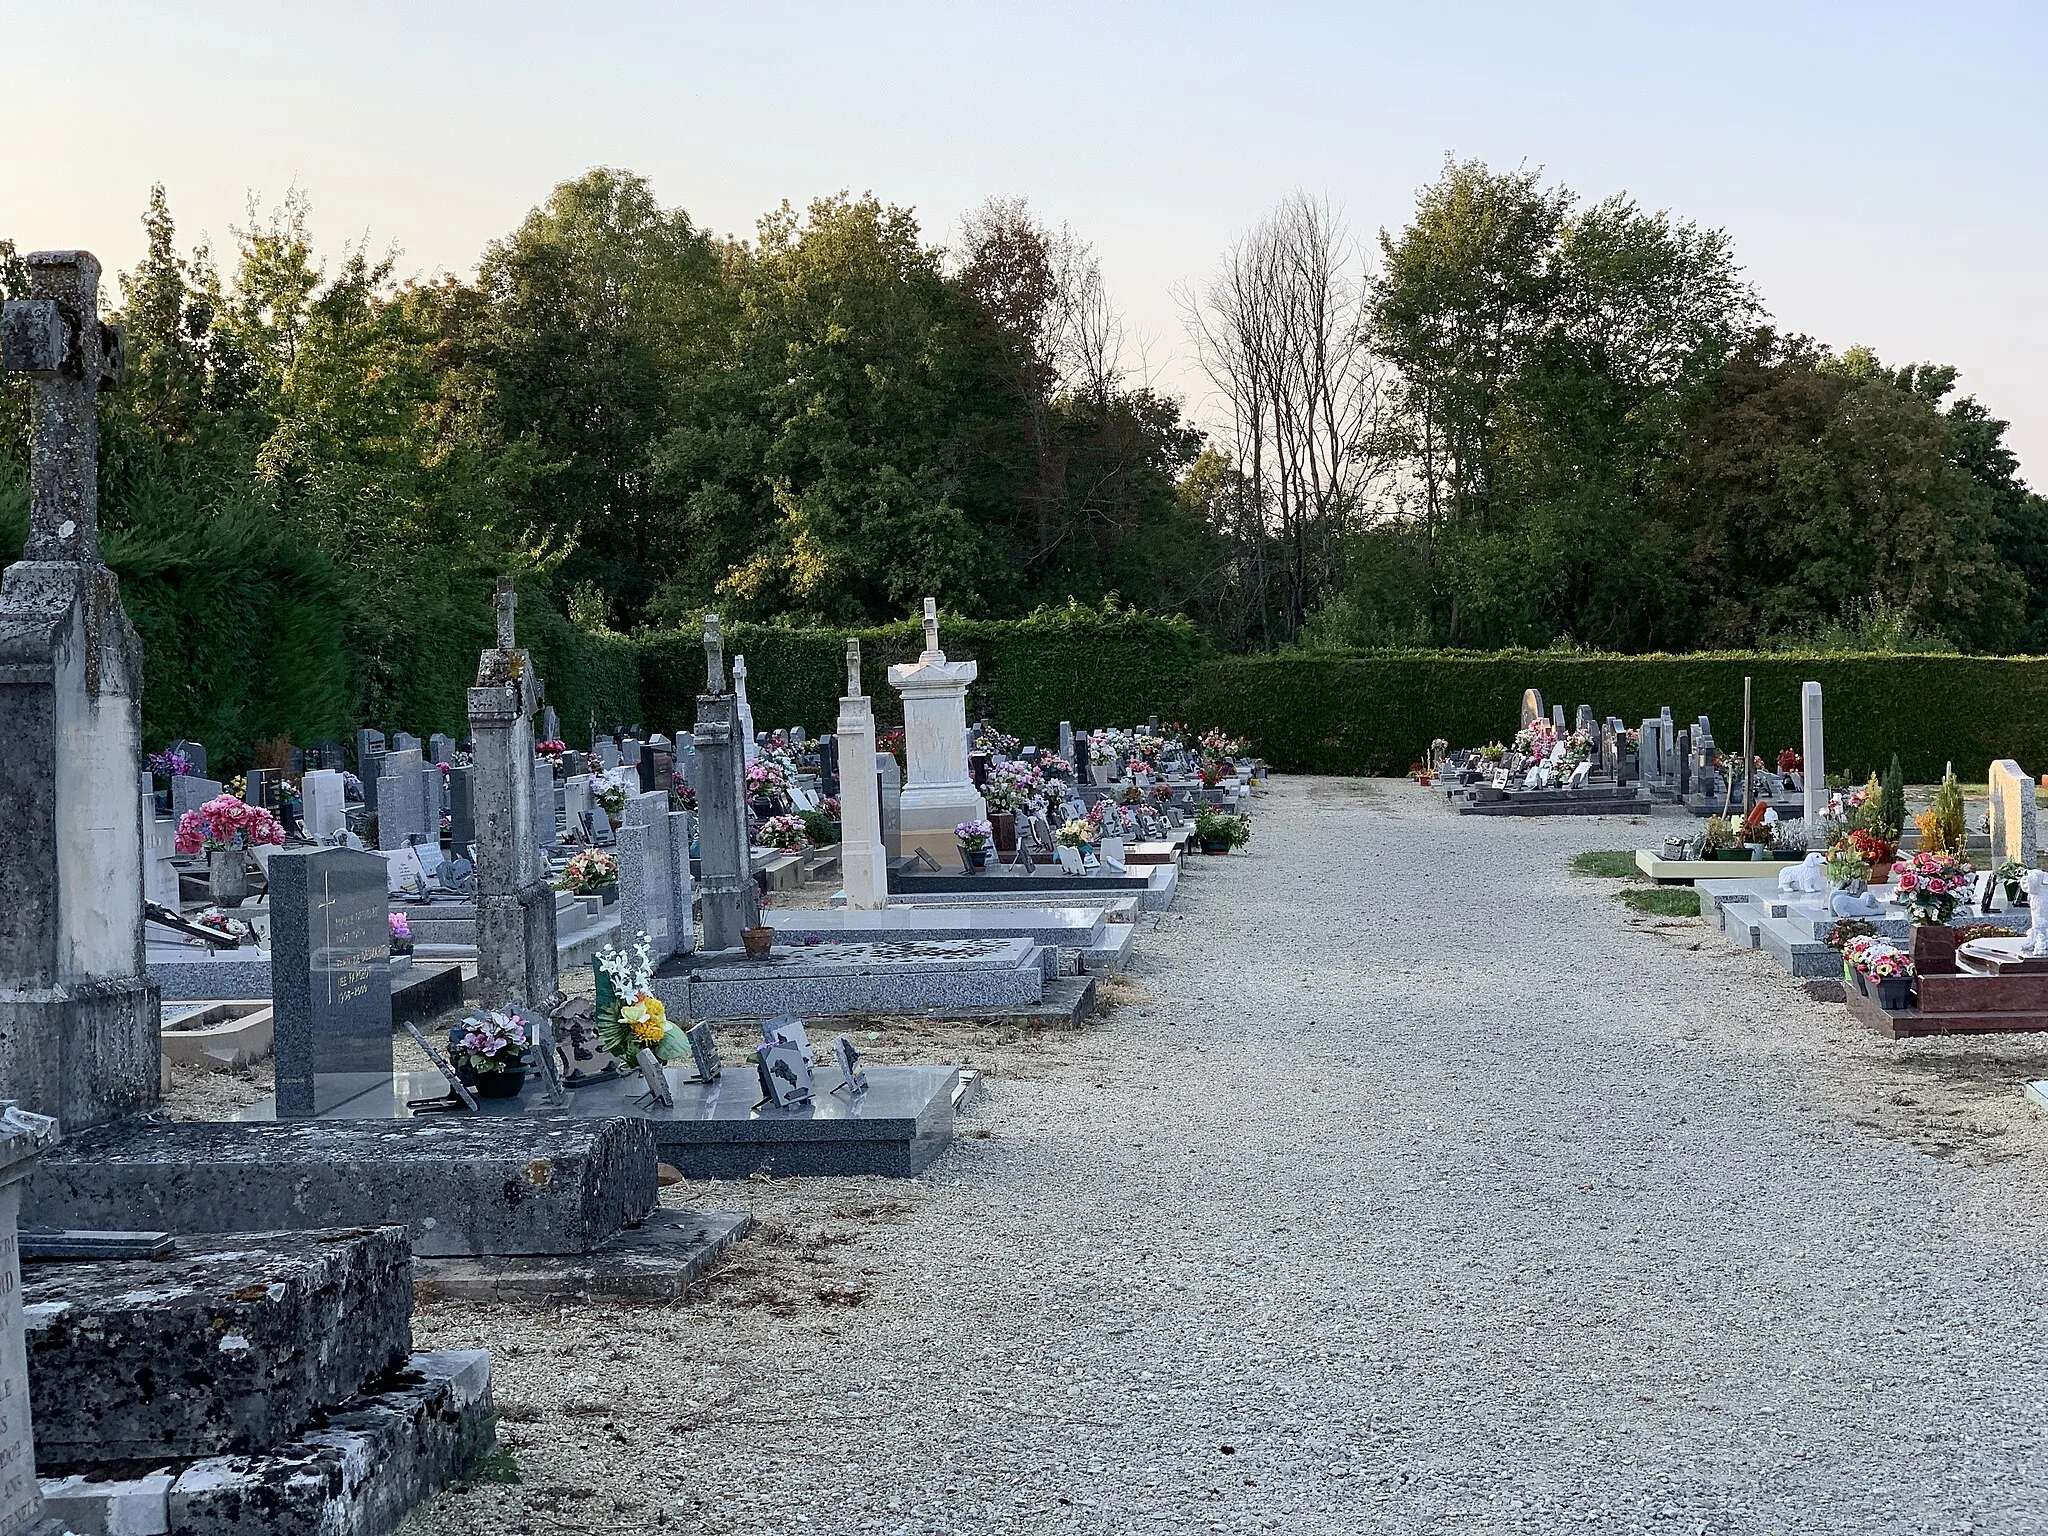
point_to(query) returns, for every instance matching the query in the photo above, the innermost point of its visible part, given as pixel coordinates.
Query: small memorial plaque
(656, 1079)
(704, 1052)
(785, 1075)
(854, 1081)
(457, 1088)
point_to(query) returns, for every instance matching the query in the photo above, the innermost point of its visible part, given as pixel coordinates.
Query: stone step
(226, 1346)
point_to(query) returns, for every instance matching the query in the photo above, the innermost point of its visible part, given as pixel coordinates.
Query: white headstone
(1813, 763)
(324, 794)
(745, 710)
(2012, 813)
(863, 859)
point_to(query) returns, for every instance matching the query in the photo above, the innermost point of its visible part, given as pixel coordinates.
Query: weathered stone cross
(852, 667)
(508, 603)
(56, 337)
(714, 655)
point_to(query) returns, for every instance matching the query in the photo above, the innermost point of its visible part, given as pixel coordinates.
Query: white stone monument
(1813, 774)
(324, 794)
(937, 793)
(744, 710)
(2012, 813)
(863, 861)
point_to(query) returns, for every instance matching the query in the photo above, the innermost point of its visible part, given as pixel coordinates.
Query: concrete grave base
(460, 1184)
(229, 1034)
(659, 1260)
(229, 1345)
(378, 1456)
(83, 1054)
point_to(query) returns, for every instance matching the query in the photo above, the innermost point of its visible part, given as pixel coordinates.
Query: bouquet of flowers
(1014, 786)
(1878, 959)
(1535, 740)
(225, 822)
(1493, 752)
(891, 741)
(227, 927)
(1931, 884)
(493, 1042)
(2010, 874)
(1075, 834)
(629, 1015)
(975, 835)
(830, 806)
(589, 872)
(351, 787)
(1577, 747)
(1790, 761)
(994, 742)
(787, 832)
(681, 796)
(1872, 847)
(1216, 744)
(401, 934)
(1052, 766)
(767, 775)
(551, 750)
(170, 764)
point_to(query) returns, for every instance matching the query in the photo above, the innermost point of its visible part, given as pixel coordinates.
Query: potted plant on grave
(1877, 851)
(1218, 831)
(401, 934)
(785, 832)
(492, 1045)
(612, 797)
(1931, 885)
(593, 872)
(1722, 839)
(1012, 789)
(551, 751)
(1493, 752)
(1847, 869)
(1844, 932)
(1889, 972)
(767, 784)
(976, 840)
(225, 829)
(2011, 877)
(1941, 824)
(1791, 766)
(628, 1015)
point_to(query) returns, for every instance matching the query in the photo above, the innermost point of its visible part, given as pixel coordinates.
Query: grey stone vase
(227, 876)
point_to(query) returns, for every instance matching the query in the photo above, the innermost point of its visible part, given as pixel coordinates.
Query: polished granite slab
(837, 977)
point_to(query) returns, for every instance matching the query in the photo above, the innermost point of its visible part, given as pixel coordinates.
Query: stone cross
(714, 655)
(56, 337)
(931, 626)
(852, 667)
(508, 603)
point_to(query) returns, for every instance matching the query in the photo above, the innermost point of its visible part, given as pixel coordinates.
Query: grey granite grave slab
(459, 1184)
(189, 792)
(840, 978)
(401, 800)
(1154, 885)
(330, 951)
(1087, 931)
(232, 1344)
(185, 973)
(662, 1259)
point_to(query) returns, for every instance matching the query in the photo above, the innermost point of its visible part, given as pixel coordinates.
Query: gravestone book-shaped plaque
(704, 1053)
(854, 1080)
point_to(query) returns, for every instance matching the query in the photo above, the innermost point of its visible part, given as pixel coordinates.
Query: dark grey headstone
(405, 741)
(440, 748)
(461, 808)
(194, 753)
(330, 986)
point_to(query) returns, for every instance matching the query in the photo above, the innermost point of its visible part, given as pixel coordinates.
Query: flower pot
(1862, 981)
(764, 806)
(500, 1085)
(227, 876)
(1005, 824)
(1731, 855)
(1934, 949)
(758, 942)
(1881, 874)
(1893, 994)
(974, 860)
(608, 893)
(1215, 845)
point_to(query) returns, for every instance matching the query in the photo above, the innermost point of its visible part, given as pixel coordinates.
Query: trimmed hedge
(1377, 713)
(1087, 665)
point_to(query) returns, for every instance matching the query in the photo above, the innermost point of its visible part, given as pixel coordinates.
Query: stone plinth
(937, 793)
(459, 1186)
(838, 977)
(231, 1345)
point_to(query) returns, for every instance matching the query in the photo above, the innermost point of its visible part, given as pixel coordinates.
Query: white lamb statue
(1808, 877)
(2035, 884)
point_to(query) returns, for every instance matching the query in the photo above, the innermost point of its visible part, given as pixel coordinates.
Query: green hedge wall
(1376, 714)
(1087, 665)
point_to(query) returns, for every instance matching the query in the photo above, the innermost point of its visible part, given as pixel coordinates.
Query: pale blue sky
(1880, 167)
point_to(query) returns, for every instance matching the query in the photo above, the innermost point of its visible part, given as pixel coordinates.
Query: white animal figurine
(1807, 877)
(2035, 884)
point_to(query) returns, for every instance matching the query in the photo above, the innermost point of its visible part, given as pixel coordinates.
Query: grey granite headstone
(516, 959)
(1557, 719)
(461, 807)
(330, 978)
(440, 748)
(890, 773)
(189, 792)
(545, 796)
(606, 751)
(1584, 722)
(401, 799)
(405, 741)
(195, 754)
(731, 901)
(1067, 740)
(647, 874)
(550, 724)
(682, 891)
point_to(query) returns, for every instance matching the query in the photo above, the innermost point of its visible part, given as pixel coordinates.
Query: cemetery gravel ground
(1416, 1185)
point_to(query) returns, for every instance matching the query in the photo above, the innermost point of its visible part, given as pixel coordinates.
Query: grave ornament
(704, 1053)
(853, 1079)
(656, 1079)
(1808, 876)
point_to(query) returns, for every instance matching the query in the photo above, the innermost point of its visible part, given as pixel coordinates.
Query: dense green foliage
(1085, 665)
(1376, 714)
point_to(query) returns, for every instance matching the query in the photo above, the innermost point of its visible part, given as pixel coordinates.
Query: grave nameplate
(457, 1088)
(704, 1053)
(656, 1079)
(330, 945)
(854, 1080)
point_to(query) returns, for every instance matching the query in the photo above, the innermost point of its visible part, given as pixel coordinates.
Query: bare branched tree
(1281, 336)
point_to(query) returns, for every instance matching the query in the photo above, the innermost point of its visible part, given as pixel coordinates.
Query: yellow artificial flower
(646, 1017)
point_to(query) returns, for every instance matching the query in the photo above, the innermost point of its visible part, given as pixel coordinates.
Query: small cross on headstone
(57, 338)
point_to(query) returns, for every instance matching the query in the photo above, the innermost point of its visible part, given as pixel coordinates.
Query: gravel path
(1421, 1187)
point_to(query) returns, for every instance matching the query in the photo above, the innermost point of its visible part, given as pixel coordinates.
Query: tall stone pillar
(863, 862)
(937, 793)
(78, 1013)
(23, 1138)
(515, 905)
(1813, 767)
(731, 903)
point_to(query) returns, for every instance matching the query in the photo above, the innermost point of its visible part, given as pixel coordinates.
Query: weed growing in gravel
(1662, 901)
(1608, 864)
